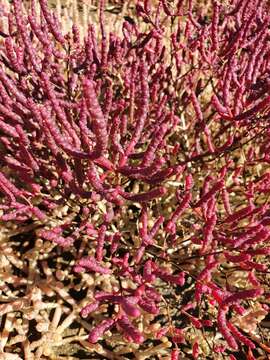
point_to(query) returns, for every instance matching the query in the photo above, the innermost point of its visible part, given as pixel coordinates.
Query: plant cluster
(135, 181)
